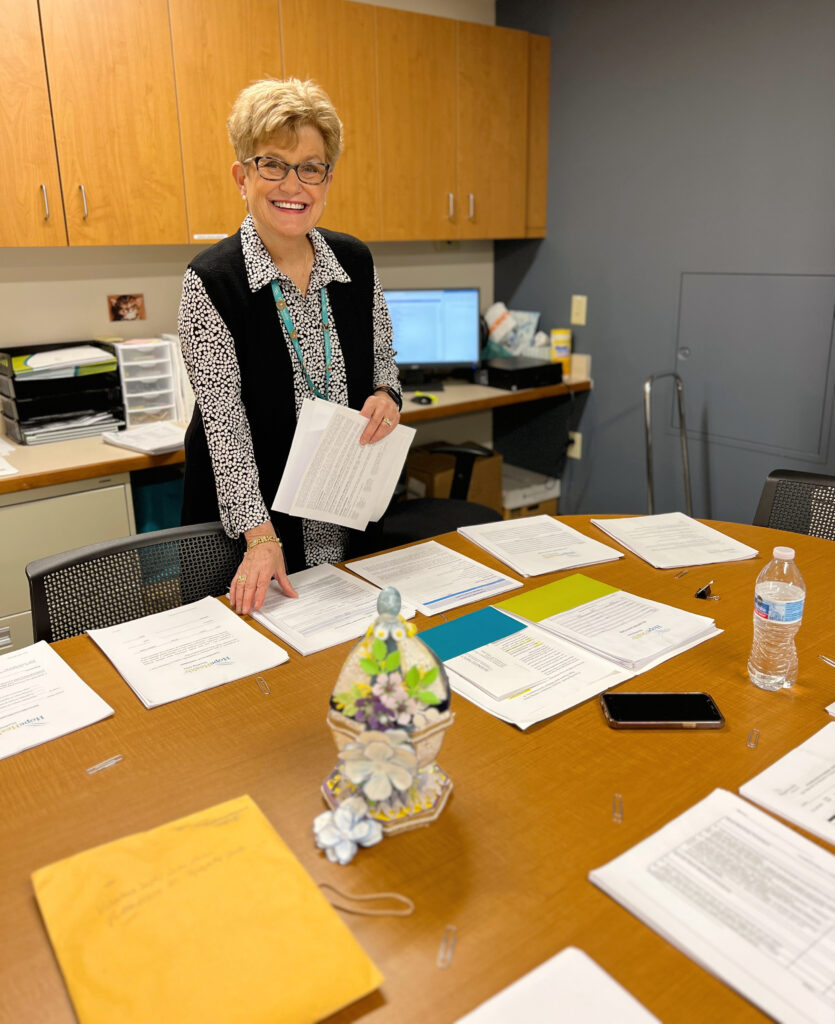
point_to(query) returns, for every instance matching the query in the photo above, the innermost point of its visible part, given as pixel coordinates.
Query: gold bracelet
(263, 540)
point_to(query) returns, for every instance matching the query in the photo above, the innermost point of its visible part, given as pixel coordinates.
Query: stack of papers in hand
(330, 476)
(673, 539)
(152, 439)
(186, 650)
(432, 577)
(332, 606)
(630, 631)
(515, 671)
(745, 897)
(538, 544)
(570, 980)
(207, 918)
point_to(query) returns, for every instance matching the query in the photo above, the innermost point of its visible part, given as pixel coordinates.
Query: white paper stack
(744, 896)
(333, 606)
(538, 544)
(42, 698)
(432, 577)
(152, 439)
(569, 987)
(180, 652)
(672, 540)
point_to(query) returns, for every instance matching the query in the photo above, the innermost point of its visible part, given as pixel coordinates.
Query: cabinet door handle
(84, 201)
(451, 202)
(471, 199)
(45, 203)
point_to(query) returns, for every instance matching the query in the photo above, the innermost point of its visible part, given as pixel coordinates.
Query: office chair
(800, 502)
(420, 518)
(119, 580)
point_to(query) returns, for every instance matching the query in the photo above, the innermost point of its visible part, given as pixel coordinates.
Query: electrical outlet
(575, 445)
(579, 308)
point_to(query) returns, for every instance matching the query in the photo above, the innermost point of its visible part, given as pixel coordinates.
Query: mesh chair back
(800, 502)
(115, 581)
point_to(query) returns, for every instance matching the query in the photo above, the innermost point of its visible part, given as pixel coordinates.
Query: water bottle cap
(784, 554)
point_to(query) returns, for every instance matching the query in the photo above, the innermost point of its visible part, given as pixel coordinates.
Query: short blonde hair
(278, 109)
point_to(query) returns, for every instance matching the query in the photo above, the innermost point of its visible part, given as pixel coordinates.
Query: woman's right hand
(249, 585)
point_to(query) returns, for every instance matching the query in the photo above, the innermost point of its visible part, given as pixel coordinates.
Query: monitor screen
(436, 330)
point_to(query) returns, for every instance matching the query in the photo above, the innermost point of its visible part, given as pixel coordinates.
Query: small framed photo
(126, 307)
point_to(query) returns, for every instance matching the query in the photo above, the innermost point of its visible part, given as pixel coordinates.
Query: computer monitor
(436, 331)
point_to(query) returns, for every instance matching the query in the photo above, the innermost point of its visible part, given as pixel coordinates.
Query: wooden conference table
(507, 861)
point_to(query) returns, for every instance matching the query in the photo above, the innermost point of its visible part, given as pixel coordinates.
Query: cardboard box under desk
(429, 475)
(540, 508)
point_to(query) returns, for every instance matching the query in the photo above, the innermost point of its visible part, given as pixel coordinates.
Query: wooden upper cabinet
(30, 190)
(111, 80)
(539, 67)
(417, 85)
(219, 49)
(492, 130)
(332, 42)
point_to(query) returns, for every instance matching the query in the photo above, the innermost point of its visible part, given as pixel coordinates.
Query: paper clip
(447, 946)
(617, 809)
(753, 738)
(705, 594)
(263, 685)
(680, 573)
(105, 764)
(828, 661)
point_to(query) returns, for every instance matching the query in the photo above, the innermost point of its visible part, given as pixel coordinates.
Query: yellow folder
(207, 919)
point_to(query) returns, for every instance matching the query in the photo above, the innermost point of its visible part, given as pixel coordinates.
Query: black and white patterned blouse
(212, 365)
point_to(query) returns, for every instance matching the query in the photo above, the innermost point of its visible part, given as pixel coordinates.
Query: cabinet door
(539, 91)
(29, 187)
(111, 79)
(417, 90)
(332, 42)
(219, 49)
(492, 131)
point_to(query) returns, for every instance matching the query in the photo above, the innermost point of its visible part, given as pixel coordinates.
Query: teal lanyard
(293, 334)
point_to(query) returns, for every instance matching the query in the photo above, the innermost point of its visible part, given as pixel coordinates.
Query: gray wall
(692, 157)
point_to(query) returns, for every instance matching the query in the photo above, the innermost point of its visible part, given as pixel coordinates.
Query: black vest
(267, 372)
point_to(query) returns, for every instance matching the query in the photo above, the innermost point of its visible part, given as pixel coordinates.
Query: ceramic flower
(380, 762)
(340, 832)
(426, 717)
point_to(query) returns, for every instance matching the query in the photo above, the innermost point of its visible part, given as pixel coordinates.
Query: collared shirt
(212, 365)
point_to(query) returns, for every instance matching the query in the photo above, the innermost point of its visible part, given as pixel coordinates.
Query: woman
(275, 314)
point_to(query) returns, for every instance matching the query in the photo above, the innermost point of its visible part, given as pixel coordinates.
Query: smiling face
(284, 211)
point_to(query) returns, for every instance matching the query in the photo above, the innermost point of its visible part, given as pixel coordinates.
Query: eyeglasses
(311, 172)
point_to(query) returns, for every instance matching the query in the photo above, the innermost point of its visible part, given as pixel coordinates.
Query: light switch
(579, 305)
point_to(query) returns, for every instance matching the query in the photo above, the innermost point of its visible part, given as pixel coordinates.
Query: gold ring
(387, 421)
(242, 579)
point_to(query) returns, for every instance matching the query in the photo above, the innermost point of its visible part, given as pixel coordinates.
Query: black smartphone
(661, 711)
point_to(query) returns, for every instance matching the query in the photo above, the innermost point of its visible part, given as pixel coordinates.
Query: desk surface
(506, 862)
(64, 461)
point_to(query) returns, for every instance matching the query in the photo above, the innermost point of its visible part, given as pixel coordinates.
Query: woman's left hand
(383, 416)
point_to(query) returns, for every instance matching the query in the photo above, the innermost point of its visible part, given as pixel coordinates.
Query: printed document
(180, 652)
(743, 895)
(330, 476)
(517, 672)
(631, 631)
(538, 544)
(673, 539)
(332, 606)
(800, 787)
(570, 981)
(433, 578)
(41, 698)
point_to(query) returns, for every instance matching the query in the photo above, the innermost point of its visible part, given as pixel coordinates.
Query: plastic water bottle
(779, 595)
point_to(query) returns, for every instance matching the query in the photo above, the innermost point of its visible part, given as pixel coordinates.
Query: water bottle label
(778, 611)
